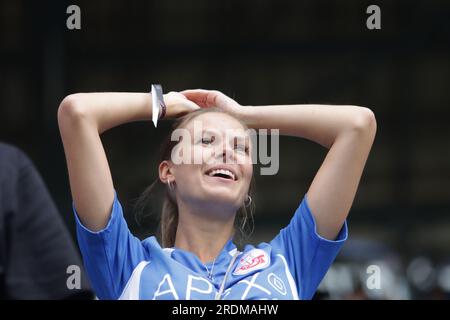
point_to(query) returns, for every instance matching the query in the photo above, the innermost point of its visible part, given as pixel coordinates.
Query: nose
(227, 153)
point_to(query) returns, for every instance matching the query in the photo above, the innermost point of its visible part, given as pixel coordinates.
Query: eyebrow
(209, 131)
(214, 132)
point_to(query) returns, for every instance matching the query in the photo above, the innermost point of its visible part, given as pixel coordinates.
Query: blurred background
(259, 52)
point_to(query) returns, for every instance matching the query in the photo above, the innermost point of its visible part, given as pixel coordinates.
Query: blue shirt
(291, 266)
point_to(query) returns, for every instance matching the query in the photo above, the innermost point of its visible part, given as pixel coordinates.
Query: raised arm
(347, 131)
(82, 117)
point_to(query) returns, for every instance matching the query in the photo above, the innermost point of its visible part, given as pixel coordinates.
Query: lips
(222, 172)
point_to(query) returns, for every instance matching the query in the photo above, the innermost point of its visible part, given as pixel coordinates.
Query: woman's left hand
(213, 98)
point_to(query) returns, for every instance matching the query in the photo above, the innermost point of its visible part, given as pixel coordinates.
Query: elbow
(71, 110)
(364, 121)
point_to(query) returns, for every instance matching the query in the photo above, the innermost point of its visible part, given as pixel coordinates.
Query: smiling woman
(220, 168)
(206, 201)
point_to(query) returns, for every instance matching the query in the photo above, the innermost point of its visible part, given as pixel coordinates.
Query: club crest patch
(253, 260)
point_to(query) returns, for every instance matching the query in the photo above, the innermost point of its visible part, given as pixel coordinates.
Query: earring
(169, 183)
(248, 201)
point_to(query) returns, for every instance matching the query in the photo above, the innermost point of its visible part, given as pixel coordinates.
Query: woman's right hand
(178, 105)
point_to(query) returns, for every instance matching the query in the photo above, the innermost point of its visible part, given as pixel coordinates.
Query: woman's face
(217, 167)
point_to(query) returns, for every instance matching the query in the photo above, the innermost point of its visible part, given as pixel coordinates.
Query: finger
(194, 93)
(198, 96)
(206, 98)
(192, 105)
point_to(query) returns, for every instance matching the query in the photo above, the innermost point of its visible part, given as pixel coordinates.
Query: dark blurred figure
(35, 247)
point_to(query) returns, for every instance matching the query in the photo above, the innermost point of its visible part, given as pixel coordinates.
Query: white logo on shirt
(253, 260)
(171, 288)
(277, 283)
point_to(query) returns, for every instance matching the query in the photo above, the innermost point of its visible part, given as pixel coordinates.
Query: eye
(207, 140)
(241, 147)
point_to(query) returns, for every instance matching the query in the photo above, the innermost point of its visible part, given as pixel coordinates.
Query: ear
(165, 172)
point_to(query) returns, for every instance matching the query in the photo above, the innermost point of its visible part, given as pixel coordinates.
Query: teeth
(222, 171)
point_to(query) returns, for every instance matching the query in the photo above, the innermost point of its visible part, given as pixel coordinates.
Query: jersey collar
(224, 256)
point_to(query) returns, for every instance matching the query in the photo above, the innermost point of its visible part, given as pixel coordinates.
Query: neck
(204, 235)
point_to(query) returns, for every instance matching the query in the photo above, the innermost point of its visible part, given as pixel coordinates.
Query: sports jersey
(290, 266)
